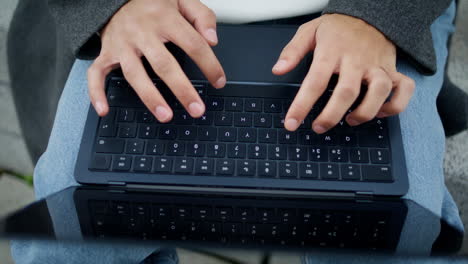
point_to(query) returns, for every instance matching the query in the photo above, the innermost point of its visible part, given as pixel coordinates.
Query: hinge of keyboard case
(364, 197)
(116, 183)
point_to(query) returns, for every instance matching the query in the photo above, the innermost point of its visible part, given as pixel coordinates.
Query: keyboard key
(360, 155)
(107, 129)
(163, 165)
(373, 140)
(223, 119)
(215, 103)
(379, 156)
(127, 130)
(216, 150)
(277, 152)
(287, 170)
(257, 151)
(143, 164)
(122, 163)
(306, 124)
(376, 173)
(245, 168)
(273, 106)
(108, 145)
(262, 120)
(147, 131)
(195, 149)
(100, 162)
(205, 120)
(234, 104)
(247, 135)
(338, 154)
(182, 118)
(167, 133)
(176, 149)
(223, 213)
(204, 166)
(245, 214)
(308, 170)
(253, 105)
(224, 167)
(135, 146)
(329, 171)
(267, 136)
(297, 153)
(348, 140)
(232, 229)
(307, 137)
(207, 133)
(350, 172)
(236, 151)
(278, 121)
(155, 148)
(243, 119)
(144, 116)
(319, 154)
(126, 115)
(287, 137)
(183, 165)
(267, 169)
(327, 139)
(227, 134)
(187, 133)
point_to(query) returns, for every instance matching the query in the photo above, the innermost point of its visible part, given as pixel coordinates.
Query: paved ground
(13, 155)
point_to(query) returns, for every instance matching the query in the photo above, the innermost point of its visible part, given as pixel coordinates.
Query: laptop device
(240, 145)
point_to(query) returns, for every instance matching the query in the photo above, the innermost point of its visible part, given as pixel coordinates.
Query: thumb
(201, 17)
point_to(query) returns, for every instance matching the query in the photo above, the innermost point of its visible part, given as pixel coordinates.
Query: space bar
(256, 90)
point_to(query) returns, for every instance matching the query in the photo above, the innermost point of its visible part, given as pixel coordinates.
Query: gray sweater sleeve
(81, 19)
(404, 22)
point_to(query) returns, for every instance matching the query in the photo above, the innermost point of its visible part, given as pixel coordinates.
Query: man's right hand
(140, 28)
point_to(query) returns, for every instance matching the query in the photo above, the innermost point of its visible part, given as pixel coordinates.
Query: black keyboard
(237, 137)
(239, 223)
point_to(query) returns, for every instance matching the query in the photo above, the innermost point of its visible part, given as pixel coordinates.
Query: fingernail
(281, 64)
(162, 114)
(196, 109)
(352, 122)
(99, 108)
(220, 82)
(211, 35)
(291, 124)
(319, 129)
(382, 114)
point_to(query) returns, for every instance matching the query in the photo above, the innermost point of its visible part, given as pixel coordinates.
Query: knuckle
(395, 108)
(348, 92)
(363, 116)
(195, 45)
(383, 86)
(161, 63)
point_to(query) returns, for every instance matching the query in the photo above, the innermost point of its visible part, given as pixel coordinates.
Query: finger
(378, 90)
(345, 93)
(302, 43)
(315, 83)
(402, 93)
(167, 68)
(196, 47)
(97, 73)
(136, 76)
(201, 17)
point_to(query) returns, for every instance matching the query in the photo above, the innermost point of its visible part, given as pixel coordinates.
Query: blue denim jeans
(423, 140)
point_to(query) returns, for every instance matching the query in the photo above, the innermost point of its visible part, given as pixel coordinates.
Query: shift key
(109, 145)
